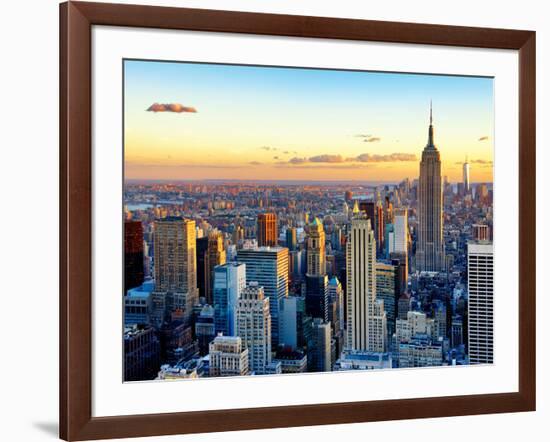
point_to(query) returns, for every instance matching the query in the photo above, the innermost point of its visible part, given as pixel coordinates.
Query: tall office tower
(366, 320)
(440, 320)
(336, 315)
(378, 327)
(316, 250)
(457, 331)
(336, 239)
(215, 256)
(482, 192)
(400, 262)
(298, 263)
(291, 239)
(316, 279)
(254, 327)
(375, 212)
(317, 296)
(430, 252)
(400, 230)
(238, 236)
(387, 290)
(399, 250)
(319, 348)
(480, 302)
(202, 249)
(348, 196)
(480, 232)
(267, 233)
(229, 283)
(228, 357)
(205, 329)
(403, 306)
(133, 255)
(466, 176)
(175, 260)
(268, 266)
(289, 330)
(336, 297)
(388, 210)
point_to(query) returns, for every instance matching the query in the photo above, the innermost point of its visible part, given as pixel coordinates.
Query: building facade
(316, 249)
(133, 255)
(215, 256)
(229, 282)
(228, 357)
(174, 251)
(480, 302)
(268, 266)
(366, 320)
(141, 353)
(267, 230)
(254, 327)
(319, 348)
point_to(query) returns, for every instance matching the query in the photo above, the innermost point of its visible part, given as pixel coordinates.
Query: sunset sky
(204, 121)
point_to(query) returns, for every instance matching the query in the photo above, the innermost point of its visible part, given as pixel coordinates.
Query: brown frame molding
(76, 20)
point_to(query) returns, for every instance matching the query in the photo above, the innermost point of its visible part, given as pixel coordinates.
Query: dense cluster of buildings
(232, 278)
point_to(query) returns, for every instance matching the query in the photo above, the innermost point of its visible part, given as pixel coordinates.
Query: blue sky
(240, 110)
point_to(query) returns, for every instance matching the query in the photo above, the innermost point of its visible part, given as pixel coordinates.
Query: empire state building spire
(431, 144)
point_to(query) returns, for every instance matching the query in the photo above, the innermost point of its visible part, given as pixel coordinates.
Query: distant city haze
(193, 121)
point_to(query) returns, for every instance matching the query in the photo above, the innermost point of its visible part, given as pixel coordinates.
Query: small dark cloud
(269, 148)
(171, 107)
(255, 163)
(483, 138)
(275, 158)
(368, 138)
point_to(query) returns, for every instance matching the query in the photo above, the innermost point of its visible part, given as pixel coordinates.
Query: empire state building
(430, 252)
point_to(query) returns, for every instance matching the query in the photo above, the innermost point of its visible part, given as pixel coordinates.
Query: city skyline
(296, 124)
(295, 259)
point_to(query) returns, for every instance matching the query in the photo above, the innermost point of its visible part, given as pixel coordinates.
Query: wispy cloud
(269, 148)
(478, 161)
(326, 159)
(389, 158)
(171, 107)
(255, 163)
(297, 160)
(363, 158)
(483, 138)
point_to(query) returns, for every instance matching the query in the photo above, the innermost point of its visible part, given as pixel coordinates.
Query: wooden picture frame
(76, 21)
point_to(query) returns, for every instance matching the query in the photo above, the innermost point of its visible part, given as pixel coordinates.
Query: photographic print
(284, 220)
